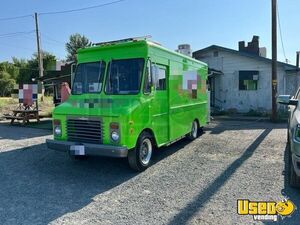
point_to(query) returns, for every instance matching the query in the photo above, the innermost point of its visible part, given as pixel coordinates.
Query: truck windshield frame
(124, 76)
(88, 78)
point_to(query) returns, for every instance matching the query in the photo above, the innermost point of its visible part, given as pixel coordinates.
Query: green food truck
(129, 97)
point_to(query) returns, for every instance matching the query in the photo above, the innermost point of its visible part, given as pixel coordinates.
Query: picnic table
(28, 105)
(23, 114)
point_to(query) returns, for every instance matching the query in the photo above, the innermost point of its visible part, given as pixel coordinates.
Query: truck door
(159, 106)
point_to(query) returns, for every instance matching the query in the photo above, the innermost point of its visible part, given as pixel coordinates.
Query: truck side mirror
(286, 100)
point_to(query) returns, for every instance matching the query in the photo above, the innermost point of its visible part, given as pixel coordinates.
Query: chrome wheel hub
(145, 151)
(194, 129)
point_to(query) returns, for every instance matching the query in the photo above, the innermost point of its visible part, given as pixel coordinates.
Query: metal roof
(245, 54)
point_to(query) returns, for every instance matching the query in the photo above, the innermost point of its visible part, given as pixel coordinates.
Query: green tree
(25, 72)
(76, 41)
(48, 60)
(10, 68)
(21, 71)
(6, 83)
(29, 69)
(22, 66)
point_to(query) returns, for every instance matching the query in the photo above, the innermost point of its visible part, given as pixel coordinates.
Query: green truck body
(142, 87)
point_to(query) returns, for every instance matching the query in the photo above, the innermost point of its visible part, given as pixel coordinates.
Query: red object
(56, 122)
(65, 91)
(114, 126)
(27, 95)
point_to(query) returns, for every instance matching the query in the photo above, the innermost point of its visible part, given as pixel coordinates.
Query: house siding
(227, 93)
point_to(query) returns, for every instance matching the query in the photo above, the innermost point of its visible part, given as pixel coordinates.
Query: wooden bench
(23, 114)
(28, 104)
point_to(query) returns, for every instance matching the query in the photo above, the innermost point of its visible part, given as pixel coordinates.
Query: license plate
(77, 150)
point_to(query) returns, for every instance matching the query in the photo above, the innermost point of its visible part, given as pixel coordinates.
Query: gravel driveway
(195, 182)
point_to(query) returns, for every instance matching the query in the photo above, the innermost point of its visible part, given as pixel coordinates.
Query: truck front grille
(85, 130)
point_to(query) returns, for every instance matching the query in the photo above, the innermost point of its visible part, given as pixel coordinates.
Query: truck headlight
(115, 136)
(57, 131)
(114, 128)
(57, 128)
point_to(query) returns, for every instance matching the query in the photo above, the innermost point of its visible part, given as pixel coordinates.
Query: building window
(248, 80)
(216, 53)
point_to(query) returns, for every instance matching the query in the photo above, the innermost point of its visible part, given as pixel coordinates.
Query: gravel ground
(195, 182)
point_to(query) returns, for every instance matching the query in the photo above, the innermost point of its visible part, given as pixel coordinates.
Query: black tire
(135, 156)
(293, 179)
(200, 131)
(194, 131)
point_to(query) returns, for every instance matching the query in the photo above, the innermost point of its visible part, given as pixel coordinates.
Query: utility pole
(274, 60)
(39, 52)
(40, 58)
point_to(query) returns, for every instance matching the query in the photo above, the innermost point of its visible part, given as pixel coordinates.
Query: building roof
(245, 54)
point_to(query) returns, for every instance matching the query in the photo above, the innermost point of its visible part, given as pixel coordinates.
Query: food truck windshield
(88, 78)
(123, 77)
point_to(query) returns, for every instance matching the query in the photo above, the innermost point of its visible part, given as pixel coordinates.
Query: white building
(241, 80)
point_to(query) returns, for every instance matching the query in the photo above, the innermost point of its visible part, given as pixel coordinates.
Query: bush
(6, 84)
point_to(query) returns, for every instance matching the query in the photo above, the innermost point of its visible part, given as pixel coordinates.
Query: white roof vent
(184, 49)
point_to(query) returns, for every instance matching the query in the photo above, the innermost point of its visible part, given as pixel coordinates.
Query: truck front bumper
(89, 149)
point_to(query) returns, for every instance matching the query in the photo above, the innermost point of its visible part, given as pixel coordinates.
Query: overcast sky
(170, 22)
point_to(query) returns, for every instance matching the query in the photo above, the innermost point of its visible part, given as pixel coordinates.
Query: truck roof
(133, 42)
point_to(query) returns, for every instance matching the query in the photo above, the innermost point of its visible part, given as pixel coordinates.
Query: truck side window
(160, 77)
(147, 79)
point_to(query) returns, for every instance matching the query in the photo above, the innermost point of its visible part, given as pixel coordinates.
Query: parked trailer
(129, 97)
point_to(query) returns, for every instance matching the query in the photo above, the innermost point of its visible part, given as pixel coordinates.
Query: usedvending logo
(266, 210)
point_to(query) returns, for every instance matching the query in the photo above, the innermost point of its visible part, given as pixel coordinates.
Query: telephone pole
(39, 54)
(274, 60)
(40, 58)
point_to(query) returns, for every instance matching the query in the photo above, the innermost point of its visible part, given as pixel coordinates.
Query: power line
(81, 9)
(19, 32)
(47, 37)
(49, 43)
(280, 32)
(15, 46)
(15, 34)
(46, 41)
(16, 17)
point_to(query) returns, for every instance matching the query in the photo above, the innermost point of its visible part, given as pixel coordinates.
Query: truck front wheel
(139, 158)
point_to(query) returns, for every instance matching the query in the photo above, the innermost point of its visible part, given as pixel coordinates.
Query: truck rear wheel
(139, 158)
(194, 131)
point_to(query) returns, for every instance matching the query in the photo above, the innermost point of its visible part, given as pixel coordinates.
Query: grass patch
(4, 102)
(8, 104)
